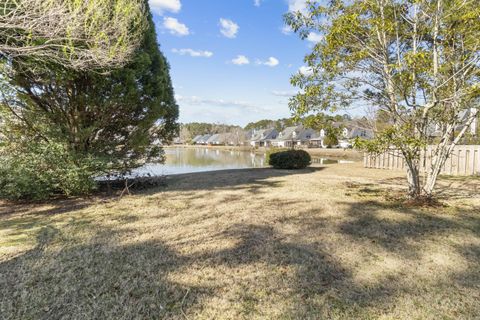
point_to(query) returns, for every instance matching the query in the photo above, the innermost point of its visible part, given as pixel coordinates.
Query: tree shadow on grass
(20, 219)
(411, 225)
(45, 208)
(97, 280)
(410, 235)
(251, 179)
(104, 278)
(447, 188)
(407, 236)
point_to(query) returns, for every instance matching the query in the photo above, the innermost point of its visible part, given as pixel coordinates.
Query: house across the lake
(216, 139)
(203, 139)
(196, 139)
(353, 130)
(263, 138)
(294, 136)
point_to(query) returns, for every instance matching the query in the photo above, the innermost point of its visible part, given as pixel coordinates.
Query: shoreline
(344, 154)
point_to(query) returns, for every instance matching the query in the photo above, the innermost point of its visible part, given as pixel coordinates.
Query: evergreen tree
(119, 117)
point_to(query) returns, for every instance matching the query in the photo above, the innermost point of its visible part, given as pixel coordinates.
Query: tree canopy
(416, 60)
(103, 123)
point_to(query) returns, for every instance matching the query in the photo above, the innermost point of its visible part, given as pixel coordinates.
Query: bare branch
(87, 34)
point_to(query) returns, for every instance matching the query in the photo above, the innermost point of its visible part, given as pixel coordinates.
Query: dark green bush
(290, 159)
(273, 150)
(37, 171)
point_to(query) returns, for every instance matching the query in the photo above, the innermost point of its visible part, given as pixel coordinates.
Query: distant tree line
(317, 122)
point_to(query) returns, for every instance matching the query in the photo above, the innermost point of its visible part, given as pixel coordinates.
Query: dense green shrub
(273, 150)
(37, 171)
(290, 159)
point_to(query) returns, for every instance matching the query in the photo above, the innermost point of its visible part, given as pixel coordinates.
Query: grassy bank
(326, 242)
(347, 154)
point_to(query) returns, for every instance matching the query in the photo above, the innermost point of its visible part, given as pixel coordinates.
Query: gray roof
(204, 138)
(197, 138)
(356, 131)
(306, 134)
(290, 133)
(218, 138)
(264, 134)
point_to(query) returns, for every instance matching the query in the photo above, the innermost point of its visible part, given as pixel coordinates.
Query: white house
(294, 136)
(352, 131)
(263, 138)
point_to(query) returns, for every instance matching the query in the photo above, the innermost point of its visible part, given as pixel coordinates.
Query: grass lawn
(322, 243)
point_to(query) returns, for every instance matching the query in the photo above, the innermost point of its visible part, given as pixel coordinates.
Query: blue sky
(231, 60)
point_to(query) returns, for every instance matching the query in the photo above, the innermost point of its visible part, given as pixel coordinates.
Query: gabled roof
(197, 138)
(290, 133)
(204, 138)
(306, 134)
(214, 138)
(264, 134)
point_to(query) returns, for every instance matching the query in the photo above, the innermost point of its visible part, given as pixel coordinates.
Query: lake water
(188, 160)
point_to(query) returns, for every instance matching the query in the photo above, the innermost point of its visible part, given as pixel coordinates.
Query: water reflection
(188, 160)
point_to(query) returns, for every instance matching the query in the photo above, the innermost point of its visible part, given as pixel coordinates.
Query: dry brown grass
(259, 243)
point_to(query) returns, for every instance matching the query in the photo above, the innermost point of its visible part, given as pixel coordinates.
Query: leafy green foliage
(414, 62)
(95, 124)
(330, 140)
(39, 170)
(273, 150)
(290, 159)
(119, 115)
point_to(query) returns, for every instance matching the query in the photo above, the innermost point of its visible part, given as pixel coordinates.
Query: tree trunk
(433, 172)
(413, 178)
(444, 150)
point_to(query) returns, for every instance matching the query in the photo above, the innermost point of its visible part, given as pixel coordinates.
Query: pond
(189, 160)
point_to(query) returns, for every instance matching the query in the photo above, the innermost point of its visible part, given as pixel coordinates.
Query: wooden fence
(464, 160)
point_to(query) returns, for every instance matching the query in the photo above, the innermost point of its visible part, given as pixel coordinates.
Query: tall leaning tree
(416, 60)
(120, 117)
(81, 35)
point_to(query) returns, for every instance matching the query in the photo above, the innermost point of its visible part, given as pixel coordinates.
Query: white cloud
(306, 71)
(287, 94)
(228, 28)
(314, 37)
(193, 53)
(240, 60)
(231, 111)
(297, 5)
(257, 3)
(175, 27)
(194, 100)
(271, 62)
(160, 6)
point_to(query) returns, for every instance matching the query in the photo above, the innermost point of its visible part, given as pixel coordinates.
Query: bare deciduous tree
(85, 34)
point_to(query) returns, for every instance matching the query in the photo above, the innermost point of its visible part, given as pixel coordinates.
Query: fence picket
(464, 160)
